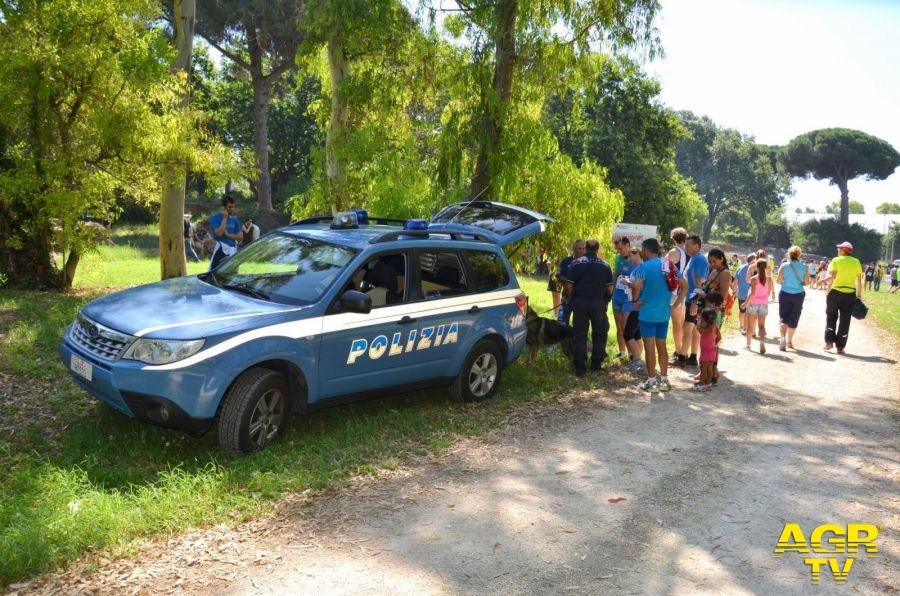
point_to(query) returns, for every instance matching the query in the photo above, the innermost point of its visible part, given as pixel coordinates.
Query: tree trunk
(711, 213)
(171, 208)
(261, 96)
(338, 68)
(494, 103)
(845, 200)
(262, 93)
(67, 274)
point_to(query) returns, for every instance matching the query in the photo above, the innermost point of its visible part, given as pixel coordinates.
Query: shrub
(822, 236)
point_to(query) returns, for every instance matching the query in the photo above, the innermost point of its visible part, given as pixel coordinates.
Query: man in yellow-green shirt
(845, 273)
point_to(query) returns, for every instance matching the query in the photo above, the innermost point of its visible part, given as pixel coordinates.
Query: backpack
(670, 275)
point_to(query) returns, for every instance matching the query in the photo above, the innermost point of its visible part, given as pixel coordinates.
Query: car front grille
(97, 339)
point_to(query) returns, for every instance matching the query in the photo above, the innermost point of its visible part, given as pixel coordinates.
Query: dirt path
(624, 493)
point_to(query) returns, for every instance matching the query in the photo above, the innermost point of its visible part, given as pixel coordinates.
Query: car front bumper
(180, 400)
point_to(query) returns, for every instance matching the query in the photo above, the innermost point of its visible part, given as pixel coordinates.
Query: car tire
(254, 412)
(479, 375)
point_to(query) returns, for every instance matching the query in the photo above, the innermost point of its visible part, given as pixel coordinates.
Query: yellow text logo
(829, 540)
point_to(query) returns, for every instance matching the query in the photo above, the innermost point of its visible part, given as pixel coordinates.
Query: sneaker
(698, 388)
(637, 365)
(649, 384)
(782, 345)
(841, 351)
(828, 347)
(691, 361)
(715, 381)
(662, 383)
(678, 361)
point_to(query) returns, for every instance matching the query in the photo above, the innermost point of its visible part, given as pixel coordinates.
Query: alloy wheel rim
(267, 417)
(483, 374)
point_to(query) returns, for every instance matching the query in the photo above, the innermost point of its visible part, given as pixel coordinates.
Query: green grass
(885, 309)
(76, 477)
(132, 259)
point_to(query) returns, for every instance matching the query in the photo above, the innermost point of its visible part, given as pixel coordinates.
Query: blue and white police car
(323, 311)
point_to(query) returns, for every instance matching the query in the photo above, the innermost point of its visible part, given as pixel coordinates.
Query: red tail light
(522, 303)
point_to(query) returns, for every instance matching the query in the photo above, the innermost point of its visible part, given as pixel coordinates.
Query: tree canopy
(839, 155)
(888, 208)
(855, 207)
(94, 121)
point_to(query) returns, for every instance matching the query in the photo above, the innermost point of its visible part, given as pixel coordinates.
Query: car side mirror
(354, 301)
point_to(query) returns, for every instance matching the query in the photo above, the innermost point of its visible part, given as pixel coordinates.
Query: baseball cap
(846, 245)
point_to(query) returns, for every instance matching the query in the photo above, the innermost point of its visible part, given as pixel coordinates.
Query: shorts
(895, 283)
(617, 306)
(758, 310)
(742, 305)
(688, 317)
(789, 308)
(632, 327)
(654, 330)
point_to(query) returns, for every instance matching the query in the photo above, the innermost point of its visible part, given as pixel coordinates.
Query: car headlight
(162, 351)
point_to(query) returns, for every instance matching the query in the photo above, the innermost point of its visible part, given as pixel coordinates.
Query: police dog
(547, 332)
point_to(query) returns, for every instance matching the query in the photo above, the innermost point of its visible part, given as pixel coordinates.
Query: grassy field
(77, 477)
(885, 309)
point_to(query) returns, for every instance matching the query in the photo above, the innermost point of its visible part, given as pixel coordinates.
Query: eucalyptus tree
(174, 173)
(260, 37)
(518, 44)
(839, 155)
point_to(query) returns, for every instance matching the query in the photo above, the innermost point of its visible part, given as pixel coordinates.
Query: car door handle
(406, 320)
(474, 309)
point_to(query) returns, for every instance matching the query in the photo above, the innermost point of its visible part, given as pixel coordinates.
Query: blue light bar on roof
(362, 216)
(415, 224)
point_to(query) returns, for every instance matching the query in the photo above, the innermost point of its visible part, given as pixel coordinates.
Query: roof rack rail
(454, 235)
(319, 219)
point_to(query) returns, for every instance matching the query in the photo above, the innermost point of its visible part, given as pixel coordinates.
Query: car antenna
(469, 202)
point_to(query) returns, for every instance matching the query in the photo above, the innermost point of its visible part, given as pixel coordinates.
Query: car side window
(383, 278)
(441, 274)
(488, 270)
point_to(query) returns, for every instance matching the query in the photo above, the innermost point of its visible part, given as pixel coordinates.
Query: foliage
(731, 172)
(839, 155)
(619, 122)
(261, 38)
(377, 70)
(87, 126)
(822, 236)
(888, 208)
(855, 207)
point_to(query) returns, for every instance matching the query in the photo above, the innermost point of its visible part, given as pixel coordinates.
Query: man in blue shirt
(653, 295)
(694, 275)
(226, 231)
(741, 287)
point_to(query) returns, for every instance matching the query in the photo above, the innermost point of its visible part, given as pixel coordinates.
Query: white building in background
(878, 222)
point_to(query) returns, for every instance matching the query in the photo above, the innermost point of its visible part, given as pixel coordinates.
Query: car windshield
(283, 268)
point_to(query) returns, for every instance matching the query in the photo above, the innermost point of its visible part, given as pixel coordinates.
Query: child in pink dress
(709, 352)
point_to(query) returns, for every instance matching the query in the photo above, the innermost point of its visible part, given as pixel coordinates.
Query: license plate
(81, 367)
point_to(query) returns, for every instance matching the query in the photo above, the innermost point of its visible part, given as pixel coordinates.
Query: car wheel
(255, 411)
(479, 376)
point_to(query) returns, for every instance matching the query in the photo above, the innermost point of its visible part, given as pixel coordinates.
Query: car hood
(180, 308)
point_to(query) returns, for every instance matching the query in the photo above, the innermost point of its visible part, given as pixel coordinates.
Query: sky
(774, 69)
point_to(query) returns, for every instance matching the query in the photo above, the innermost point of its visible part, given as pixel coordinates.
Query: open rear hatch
(502, 223)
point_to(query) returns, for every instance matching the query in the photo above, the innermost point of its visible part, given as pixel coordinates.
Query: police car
(323, 311)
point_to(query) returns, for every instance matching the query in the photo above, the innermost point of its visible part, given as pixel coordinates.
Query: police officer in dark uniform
(590, 286)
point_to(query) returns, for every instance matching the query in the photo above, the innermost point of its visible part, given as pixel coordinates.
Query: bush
(822, 236)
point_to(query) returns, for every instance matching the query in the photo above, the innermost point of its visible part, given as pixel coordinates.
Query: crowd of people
(651, 286)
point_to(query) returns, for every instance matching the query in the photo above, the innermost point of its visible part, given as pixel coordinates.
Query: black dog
(547, 332)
